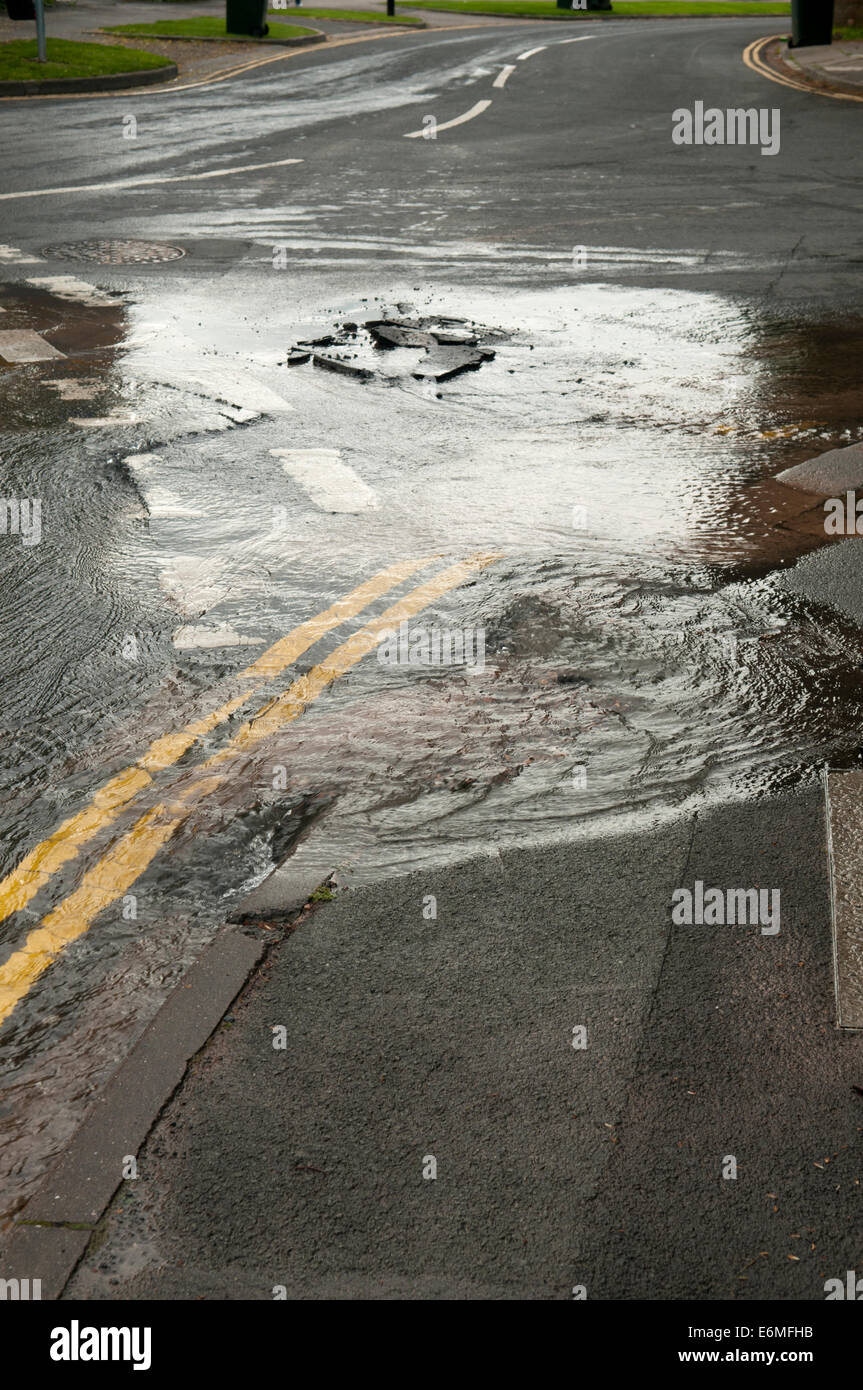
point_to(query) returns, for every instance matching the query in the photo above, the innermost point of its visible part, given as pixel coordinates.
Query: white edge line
(459, 120)
(155, 178)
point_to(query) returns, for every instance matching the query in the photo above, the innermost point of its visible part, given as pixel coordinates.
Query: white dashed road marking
(530, 52)
(459, 120)
(103, 422)
(331, 484)
(150, 179)
(23, 345)
(202, 637)
(500, 80)
(74, 388)
(70, 287)
(581, 38)
(10, 255)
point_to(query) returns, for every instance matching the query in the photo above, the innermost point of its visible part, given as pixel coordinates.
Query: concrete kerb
(318, 36)
(108, 82)
(54, 1229)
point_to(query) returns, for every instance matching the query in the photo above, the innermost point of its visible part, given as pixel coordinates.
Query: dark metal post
(40, 31)
(811, 23)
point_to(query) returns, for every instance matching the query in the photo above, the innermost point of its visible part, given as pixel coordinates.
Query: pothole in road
(115, 252)
(398, 345)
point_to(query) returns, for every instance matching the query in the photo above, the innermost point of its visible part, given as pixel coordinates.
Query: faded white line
(530, 52)
(12, 256)
(72, 388)
(71, 288)
(104, 422)
(331, 484)
(500, 80)
(448, 125)
(156, 178)
(581, 38)
(23, 345)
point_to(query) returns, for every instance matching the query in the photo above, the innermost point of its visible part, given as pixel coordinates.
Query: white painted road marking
(12, 256)
(23, 345)
(71, 388)
(530, 52)
(70, 287)
(447, 125)
(500, 80)
(331, 484)
(581, 38)
(104, 422)
(156, 178)
(204, 638)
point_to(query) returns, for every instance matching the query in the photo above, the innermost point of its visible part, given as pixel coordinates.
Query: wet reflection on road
(619, 449)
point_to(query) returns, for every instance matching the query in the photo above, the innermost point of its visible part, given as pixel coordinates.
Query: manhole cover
(115, 252)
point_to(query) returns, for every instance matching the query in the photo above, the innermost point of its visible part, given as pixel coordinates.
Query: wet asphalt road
(575, 151)
(680, 315)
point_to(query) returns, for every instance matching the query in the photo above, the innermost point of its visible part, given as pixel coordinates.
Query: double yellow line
(126, 860)
(752, 57)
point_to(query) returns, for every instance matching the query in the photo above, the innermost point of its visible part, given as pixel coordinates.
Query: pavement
(537, 1089)
(837, 66)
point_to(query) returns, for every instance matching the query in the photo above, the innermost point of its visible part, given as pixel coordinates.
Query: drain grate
(126, 252)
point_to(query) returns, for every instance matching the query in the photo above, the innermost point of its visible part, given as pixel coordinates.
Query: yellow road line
(118, 869)
(35, 869)
(752, 58)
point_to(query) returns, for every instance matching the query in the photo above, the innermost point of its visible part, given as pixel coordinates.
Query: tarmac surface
(557, 1166)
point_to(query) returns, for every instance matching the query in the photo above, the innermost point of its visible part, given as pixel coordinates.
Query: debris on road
(342, 365)
(451, 346)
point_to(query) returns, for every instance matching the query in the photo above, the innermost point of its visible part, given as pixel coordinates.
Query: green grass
(18, 61)
(355, 16)
(202, 27)
(623, 9)
(848, 33)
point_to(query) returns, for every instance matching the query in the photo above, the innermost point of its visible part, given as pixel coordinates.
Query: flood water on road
(618, 454)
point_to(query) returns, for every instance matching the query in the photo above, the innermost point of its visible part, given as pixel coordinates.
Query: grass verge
(354, 16)
(202, 27)
(19, 63)
(623, 9)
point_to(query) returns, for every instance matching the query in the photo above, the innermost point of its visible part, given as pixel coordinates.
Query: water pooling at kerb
(619, 448)
(618, 451)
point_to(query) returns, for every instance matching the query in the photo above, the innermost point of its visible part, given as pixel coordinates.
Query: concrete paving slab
(23, 345)
(829, 474)
(832, 575)
(46, 1254)
(281, 895)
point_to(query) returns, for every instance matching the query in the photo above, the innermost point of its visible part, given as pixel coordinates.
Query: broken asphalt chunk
(343, 366)
(446, 362)
(388, 334)
(827, 474)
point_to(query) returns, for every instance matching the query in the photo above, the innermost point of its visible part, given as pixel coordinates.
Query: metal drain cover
(126, 252)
